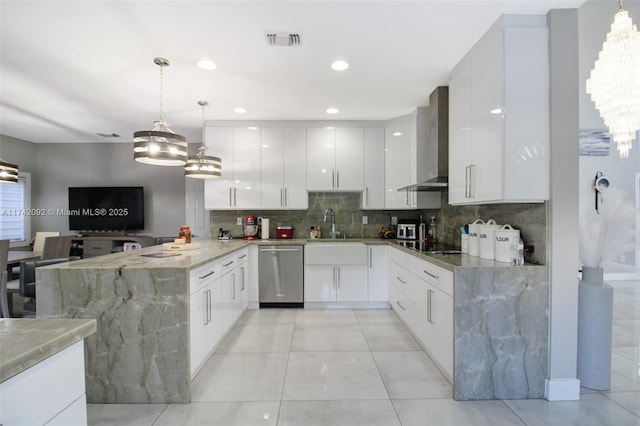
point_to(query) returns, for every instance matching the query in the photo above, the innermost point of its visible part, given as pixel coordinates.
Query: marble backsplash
(531, 219)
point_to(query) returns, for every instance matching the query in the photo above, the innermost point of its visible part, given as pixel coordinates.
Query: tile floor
(362, 367)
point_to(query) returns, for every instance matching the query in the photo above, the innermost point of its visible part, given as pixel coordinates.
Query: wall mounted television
(101, 209)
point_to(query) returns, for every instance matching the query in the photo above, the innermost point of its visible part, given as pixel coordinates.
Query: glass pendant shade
(614, 83)
(8, 172)
(160, 146)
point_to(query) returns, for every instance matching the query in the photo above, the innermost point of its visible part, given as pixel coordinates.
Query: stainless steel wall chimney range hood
(437, 142)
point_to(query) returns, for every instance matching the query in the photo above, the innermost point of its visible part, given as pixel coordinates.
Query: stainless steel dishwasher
(281, 276)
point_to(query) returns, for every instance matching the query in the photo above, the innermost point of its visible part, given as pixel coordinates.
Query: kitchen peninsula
(143, 352)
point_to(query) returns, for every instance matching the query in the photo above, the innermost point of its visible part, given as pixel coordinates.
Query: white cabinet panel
(335, 159)
(499, 116)
(283, 170)
(378, 273)
(335, 272)
(373, 194)
(399, 168)
(319, 283)
(239, 149)
(352, 283)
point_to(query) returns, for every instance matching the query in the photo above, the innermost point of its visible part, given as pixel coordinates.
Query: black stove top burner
(434, 249)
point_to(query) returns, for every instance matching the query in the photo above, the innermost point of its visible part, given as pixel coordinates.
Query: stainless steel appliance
(408, 229)
(281, 276)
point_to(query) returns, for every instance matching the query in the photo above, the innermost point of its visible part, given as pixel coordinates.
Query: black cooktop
(429, 248)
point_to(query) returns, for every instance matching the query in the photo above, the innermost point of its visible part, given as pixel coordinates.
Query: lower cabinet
(378, 273)
(422, 295)
(336, 272)
(218, 295)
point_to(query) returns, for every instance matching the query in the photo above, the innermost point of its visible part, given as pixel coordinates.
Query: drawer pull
(202, 277)
(242, 257)
(430, 274)
(227, 264)
(401, 307)
(401, 280)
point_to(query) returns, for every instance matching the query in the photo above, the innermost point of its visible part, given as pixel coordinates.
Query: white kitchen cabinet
(373, 194)
(235, 292)
(335, 159)
(335, 273)
(499, 116)
(50, 392)
(405, 157)
(239, 185)
(378, 273)
(205, 316)
(283, 169)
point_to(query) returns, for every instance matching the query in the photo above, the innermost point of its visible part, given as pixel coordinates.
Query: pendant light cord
(161, 87)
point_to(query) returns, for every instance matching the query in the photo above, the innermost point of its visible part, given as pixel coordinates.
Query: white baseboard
(562, 389)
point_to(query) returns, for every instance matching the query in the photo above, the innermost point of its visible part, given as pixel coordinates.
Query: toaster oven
(407, 229)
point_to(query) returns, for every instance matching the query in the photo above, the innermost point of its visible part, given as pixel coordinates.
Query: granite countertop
(26, 342)
(214, 249)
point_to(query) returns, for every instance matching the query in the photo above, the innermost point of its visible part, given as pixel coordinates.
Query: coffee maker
(250, 228)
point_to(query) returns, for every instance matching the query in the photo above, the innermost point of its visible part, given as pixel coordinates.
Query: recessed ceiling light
(339, 65)
(329, 128)
(496, 111)
(332, 110)
(240, 110)
(397, 133)
(206, 64)
(252, 128)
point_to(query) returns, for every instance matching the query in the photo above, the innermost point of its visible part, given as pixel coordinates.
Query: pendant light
(614, 83)
(203, 166)
(160, 146)
(8, 172)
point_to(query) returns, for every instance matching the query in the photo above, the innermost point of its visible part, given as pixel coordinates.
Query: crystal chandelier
(160, 146)
(203, 166)
(8, 172)
(614, 83)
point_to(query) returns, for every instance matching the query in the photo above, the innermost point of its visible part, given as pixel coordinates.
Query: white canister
(474, 228)
(485, 239)
(504, 240)
(464, 243)
(264, 234)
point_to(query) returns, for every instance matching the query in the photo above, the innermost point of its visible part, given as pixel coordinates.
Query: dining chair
(27, 284)
(56, 247)
(7, 288)
(38, 241)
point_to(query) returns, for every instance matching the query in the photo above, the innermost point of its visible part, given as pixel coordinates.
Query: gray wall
(55, 167)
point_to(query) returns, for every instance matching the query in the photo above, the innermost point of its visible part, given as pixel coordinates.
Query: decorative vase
(595, 321)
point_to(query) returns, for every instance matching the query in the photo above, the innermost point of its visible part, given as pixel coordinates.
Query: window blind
(12, 215)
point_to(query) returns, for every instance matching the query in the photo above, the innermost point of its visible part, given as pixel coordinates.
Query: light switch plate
(365, 220)
(239, 220)
(394, 220)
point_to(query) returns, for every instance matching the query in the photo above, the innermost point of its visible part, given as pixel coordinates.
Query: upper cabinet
(239, 186)
(335, 159)
(404, 160)
(499, 116)
(373, 194)
(283, 171)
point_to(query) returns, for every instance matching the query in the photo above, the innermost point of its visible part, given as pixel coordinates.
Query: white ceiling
(70, 69)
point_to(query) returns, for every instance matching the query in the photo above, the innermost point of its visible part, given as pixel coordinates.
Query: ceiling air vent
(283, 39)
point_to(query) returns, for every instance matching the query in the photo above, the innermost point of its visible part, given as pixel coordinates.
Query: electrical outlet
(623, 258)
(239, 220)
(365, 220)
(394, 220)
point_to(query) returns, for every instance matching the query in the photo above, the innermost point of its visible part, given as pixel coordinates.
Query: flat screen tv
(106, 208)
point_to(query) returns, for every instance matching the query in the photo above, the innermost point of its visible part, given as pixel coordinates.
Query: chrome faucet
(333, 222)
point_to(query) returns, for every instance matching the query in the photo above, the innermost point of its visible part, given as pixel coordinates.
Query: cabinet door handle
(370, 258)
(333, 178)
(366, 196)
(401, 280)
(338, 179)
(242, 272)
(230, 197)
(233, 286)
(466, 182)
(286, 197)
(202, 277)
(281, 198)
(401, 307)
(407, 201)
(430, 274)
(334, 277)
(339, 277)
(209, 306)
(206, 307)
(235, 197)
(430, 306)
